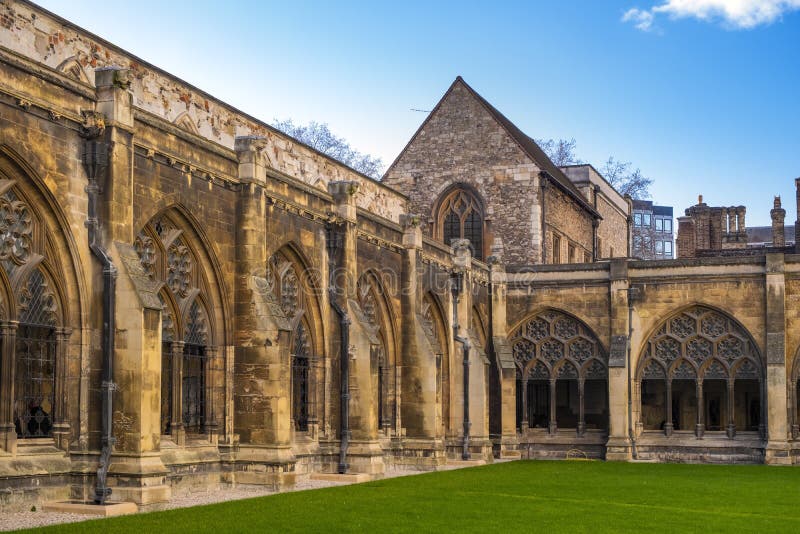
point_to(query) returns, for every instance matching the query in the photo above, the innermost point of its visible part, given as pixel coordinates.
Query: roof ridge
(531, 148)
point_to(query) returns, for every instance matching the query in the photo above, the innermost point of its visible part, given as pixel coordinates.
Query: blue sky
(704, 99)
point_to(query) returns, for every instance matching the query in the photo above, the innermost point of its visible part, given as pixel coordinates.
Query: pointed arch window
(291, 288)
(195, 355)
(36, 349)
(301, 356)
(461, 217)
(35, 339)
(188, 395)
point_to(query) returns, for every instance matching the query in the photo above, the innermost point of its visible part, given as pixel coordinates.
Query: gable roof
(526, 143)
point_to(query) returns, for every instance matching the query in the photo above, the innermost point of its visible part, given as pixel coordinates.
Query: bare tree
(320, 137)
(620, 174)
(625, 179)
(560, 151)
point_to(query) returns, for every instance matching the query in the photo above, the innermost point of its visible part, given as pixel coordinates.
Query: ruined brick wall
(685, 244)
(463, 143)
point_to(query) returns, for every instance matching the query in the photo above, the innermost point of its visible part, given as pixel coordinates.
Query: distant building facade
(652, 234)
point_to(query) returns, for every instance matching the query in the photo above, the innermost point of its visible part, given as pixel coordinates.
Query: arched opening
(301, 366)
(747, 393)
(567, 398)
(196, 408)
(703, 364)
(562, 374)
(293, 287)
(36, 359)
(40, 301)
(459, 215)
(653, 397)
(794, 401)
(378, 315)
(36, 352)
(434, 327)
(191, 395)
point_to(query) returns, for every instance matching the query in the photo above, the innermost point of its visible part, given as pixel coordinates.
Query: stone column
(8, 436)
(741, 229)
(731, 428)
(262, 366)
(793, 409)
(619, 446)
(364, 453)
(176, 429)
(700, 427)
(115, 105)
(581, 417)
(418, 384)
(61, 425)
(668, 425)
(777, 451)
(778, 215)
(136, 472)
(728, 222)
(552, 424)
(212, 370)
(480, 443)
(504, 359)
(797, 218)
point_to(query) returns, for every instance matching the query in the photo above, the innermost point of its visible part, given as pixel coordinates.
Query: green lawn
(524, 496)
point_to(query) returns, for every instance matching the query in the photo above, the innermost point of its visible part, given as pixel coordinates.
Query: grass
(525, 496)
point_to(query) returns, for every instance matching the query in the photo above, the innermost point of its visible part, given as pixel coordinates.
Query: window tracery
(461, 217)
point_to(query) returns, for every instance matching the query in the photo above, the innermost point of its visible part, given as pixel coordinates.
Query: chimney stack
(778, 214)
(797, 221)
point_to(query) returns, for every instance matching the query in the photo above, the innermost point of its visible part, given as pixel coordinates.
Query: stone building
(614, 229)
(472, 174)
(190, 299)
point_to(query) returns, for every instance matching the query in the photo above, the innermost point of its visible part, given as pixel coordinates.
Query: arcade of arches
(269, 300)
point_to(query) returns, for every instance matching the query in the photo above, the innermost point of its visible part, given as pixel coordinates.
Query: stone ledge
(82, 508)
(464, 463)
(351, 478)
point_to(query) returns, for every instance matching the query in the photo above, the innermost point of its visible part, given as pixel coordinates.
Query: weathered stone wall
(753, 291)
(234, 209)
(573, 225)
(54, 43)
(462, 142)
(612, 230)
(237, 207)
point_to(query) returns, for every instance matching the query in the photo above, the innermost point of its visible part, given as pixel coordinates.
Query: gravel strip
(18, 520)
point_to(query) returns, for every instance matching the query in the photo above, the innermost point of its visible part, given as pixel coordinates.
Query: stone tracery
(188, 393)
(551, 347)
(696, 346)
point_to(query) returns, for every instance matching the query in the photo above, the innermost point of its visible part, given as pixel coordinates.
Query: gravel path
(17, 520)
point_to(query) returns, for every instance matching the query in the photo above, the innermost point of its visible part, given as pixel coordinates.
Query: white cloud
(735, 14)
(640, 18)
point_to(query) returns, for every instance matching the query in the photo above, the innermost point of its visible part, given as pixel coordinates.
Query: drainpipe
(334, 242)
(456, 283)
(632, 291)
(493, 359)
(95, 161)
